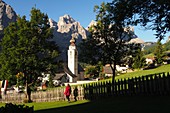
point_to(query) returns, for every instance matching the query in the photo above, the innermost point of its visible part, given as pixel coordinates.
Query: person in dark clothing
(75, 92)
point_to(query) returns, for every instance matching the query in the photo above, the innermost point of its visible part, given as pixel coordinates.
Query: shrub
(13, 108)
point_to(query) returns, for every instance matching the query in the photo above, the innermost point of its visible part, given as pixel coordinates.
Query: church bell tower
(73, 57)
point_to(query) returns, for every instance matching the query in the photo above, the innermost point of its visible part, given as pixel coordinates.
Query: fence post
(168, 83)
(121, 87)
(152, 86)
(115, 88)
(108, 86)
(136, 85)
(143, 86)
(159, 84)
(147, 85)
(125, 87)
(164, 90)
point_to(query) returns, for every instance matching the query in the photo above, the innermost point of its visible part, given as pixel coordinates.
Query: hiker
(67, 92)
(75, 92)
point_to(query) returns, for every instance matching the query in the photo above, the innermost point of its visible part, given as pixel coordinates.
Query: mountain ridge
(63, 31)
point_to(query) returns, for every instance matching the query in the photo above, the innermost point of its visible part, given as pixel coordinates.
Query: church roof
(67, 70)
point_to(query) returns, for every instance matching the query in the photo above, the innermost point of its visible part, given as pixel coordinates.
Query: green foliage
(152, 14)
(89, 51)
(158, 52)
(50, 84)
(139, 60)
(90, 71)
(20, 79)
(149, 49)
(12, 108)
(108, 40)
(26, 48)
(166, 46)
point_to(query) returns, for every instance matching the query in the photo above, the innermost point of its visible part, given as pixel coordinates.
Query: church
(72, 71)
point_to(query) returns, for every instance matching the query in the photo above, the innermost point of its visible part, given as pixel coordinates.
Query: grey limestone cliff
(7, 15)
(64, 29)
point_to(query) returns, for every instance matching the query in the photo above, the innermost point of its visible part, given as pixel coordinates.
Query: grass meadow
(129, 104)
(137, 73)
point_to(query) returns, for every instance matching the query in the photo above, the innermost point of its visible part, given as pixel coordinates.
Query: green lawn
(116, 105)
(129, 104)
(163, 68)
(50, 105)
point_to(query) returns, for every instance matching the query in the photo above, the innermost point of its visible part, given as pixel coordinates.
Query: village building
(108, 71)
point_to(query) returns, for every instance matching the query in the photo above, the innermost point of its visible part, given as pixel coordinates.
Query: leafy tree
(158, 52)
(139, 60)
(152, 14)
(149, 49)
(167, 46)
(131, 54)
(109, 37)
(89, 51)
(90, 71)
(27, 48)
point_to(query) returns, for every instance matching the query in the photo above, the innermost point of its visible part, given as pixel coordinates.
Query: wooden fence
(56, 94)
(155, 84)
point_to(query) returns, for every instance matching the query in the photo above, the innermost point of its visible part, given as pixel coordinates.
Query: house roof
(107, 70)
(59, 76)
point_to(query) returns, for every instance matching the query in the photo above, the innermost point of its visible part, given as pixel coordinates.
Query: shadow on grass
(135, 104)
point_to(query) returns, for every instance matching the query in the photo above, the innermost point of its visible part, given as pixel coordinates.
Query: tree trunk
(114, 74)
(113, 71)
(27, 92)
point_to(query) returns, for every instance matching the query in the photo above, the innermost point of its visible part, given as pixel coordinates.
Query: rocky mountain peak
(65, 29)
(91, 24)
(7, 15)
(66, 19)
(52, 23)
(67, 24)
(136, 40)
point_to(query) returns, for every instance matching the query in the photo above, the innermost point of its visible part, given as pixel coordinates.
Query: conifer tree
(27, 48)
(158, 52)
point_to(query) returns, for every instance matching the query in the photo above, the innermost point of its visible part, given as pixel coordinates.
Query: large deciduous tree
(113, 35)
(110, 36)
(152, 14)
(89, 51)
(27, 48)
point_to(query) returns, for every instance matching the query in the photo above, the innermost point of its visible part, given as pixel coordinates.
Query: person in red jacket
(67, 92)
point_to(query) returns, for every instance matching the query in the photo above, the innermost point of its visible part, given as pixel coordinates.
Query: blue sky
(80, 10)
